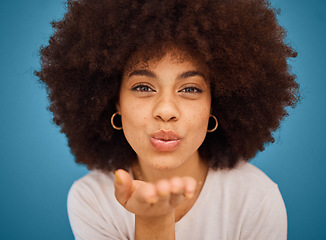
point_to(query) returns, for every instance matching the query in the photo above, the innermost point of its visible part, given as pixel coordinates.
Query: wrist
(161, 227)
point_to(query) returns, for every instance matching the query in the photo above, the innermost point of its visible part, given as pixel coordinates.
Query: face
(165, 108)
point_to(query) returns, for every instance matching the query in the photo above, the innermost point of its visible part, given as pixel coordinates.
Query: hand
(149, 200)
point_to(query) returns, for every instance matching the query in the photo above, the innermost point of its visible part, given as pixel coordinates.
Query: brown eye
(191, 90)
(142, 88)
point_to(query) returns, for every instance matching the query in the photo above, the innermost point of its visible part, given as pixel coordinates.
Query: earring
(112, 121)
(216, 124)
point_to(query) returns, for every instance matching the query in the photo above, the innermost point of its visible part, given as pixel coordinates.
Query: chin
(164, 163)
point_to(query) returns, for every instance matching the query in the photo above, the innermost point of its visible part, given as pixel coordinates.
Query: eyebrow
(146, 73)
(190, 74)
(149, 73)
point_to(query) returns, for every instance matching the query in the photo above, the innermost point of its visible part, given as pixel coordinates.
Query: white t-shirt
(242, 203)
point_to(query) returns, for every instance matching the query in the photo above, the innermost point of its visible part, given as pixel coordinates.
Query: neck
(194, 167)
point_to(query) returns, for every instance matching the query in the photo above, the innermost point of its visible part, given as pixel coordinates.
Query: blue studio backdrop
(37, 168)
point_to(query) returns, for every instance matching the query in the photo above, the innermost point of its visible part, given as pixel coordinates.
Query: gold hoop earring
(112, 121)
(216, 124)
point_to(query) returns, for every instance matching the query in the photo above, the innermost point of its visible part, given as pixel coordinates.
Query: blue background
(37, 168)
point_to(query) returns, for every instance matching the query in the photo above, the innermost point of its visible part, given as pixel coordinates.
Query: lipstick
(165, 141)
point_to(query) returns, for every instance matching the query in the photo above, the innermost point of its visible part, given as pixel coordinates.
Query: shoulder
(245, 177)
(254, 176)
(247, 187)
(95, 180)
(95, 176)
(253, 198)
(94, 211)
(90, 191)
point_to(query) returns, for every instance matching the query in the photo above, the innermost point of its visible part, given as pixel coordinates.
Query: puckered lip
(166, 135)
(165, 140)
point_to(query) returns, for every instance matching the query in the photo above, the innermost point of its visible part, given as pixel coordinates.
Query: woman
(181, 95)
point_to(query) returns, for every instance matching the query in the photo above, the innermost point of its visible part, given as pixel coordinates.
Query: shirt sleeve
(85, 215)
(268, 221)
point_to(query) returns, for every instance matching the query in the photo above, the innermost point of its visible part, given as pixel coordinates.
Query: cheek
(198, 116)
(197, 132)
(197, 128)
(201, 112)
(134, 120)
(133, 114)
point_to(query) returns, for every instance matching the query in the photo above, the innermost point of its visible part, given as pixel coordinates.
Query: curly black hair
(240, 42)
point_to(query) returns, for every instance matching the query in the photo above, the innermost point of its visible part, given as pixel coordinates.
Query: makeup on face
(165, 107)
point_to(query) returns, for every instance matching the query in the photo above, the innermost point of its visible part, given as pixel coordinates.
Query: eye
(142, 88)
(191, 90)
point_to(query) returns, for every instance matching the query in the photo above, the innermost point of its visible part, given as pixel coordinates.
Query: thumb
(123, 186)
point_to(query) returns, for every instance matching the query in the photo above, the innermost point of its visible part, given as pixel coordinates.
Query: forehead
(148, 59)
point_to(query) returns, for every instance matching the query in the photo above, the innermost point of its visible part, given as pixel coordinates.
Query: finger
(190, 186)
(163, 189)
(123, 186)
(177, 191)
(144, 193)
(177, 185)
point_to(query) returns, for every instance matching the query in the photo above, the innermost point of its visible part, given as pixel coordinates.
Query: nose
(166, 109)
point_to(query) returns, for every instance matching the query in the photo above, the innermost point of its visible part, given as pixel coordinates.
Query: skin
(169, 96)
